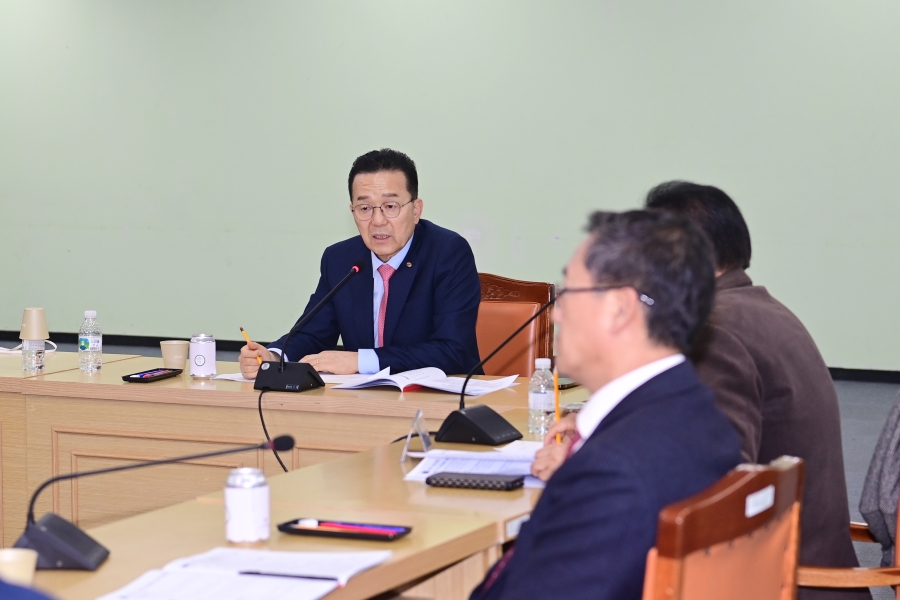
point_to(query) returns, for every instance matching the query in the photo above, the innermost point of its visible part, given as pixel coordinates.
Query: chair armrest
(859, 532)
(828, 577)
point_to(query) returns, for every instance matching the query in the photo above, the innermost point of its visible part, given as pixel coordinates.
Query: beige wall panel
(13, 472)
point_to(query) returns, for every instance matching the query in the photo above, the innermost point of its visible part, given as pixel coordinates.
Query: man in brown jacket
(770, 380)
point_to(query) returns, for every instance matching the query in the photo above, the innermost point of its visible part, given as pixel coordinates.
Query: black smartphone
(152, 375)
(565, 383)
(477, 481)
(343, 529)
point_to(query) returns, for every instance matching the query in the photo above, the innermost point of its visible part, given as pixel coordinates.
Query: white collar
(604, 400)
(394, 260)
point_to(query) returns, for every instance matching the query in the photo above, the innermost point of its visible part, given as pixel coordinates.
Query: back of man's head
(666, 258)
(715, 212)
(385, 160)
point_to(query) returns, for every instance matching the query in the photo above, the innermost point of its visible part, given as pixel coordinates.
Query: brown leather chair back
(505, 305)
(738, 539)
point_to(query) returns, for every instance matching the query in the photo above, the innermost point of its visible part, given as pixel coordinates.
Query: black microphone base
(296, 377)
(479, 424)
(62, 545)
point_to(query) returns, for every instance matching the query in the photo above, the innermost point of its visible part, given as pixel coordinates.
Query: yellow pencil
(259, 360)
(556, 388)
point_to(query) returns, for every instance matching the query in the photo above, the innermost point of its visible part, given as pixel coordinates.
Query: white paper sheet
(475, 387)
(520, 449)
(488, 463)
(244, 574)
(340, 565)
(232, 377)
(195, 584)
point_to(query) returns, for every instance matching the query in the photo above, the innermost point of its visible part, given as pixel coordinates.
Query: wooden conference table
(13, 459)
(65, 420)
(456, 534)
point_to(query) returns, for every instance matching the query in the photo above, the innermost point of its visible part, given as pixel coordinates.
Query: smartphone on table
(344, 529)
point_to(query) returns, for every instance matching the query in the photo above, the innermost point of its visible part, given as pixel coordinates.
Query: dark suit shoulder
(346, 253)
(772, 334)
(673, 418)
(744, 309)
(435, 235)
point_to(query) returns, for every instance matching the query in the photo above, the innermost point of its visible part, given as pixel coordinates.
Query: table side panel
(69, 434)
(13, 471)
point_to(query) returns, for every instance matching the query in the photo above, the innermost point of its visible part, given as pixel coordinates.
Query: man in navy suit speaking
(413, 304)
(636, 295)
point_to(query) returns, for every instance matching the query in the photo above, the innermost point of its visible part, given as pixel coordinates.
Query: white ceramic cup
(17, 565)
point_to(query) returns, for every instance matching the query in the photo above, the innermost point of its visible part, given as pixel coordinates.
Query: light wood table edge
(397, 573)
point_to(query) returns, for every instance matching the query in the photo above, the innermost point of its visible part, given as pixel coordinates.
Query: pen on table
(317, 577)
(556, 389)
(247, 337)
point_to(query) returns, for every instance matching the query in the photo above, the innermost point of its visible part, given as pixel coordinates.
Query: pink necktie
(386, 272)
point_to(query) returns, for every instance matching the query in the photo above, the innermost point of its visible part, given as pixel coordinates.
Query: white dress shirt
(604, 400)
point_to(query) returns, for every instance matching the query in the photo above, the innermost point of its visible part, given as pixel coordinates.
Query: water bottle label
(538, 401)
(94, 343)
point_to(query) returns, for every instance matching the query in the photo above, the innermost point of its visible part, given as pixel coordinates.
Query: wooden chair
(835, 577)
(505, 305)
(738, 539)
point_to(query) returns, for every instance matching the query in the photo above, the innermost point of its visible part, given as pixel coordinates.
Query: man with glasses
(635, 297)
(415, 302)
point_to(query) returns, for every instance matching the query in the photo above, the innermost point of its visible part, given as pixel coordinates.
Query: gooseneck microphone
(481, 424)
(61, 544)
(281, 376)
(305, 318)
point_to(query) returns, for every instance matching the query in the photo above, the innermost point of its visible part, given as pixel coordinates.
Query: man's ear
(418, 205)
(624, 308)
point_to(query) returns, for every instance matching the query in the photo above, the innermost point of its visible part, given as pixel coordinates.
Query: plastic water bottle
(32, 355)
(90, 343)
(541, 401)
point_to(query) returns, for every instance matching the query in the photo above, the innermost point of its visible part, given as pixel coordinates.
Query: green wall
(180, 165)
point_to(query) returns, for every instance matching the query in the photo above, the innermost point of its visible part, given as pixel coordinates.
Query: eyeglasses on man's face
(561, 290)
(365, 212)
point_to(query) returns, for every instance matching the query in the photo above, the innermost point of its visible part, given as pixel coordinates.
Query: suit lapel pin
(409, 264)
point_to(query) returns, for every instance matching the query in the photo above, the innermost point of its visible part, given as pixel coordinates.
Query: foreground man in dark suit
(636, 294)
(415, 301)
(770, 380)
(14, 592)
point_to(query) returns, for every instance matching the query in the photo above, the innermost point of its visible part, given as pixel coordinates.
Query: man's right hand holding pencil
(551, 457)
(248, 360)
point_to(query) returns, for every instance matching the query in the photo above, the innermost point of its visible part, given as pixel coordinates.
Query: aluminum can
(203, 355)
(246, 506)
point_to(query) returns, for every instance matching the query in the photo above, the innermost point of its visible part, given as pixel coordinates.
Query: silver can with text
(202, 355)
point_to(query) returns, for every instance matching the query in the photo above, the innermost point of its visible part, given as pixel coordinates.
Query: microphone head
(283, 443)
(357, 267)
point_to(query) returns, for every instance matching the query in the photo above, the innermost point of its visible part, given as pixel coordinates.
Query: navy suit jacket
(14, 592)
(590, 531)
(431, 312)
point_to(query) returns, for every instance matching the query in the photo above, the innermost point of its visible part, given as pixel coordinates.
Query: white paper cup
(17, 565)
